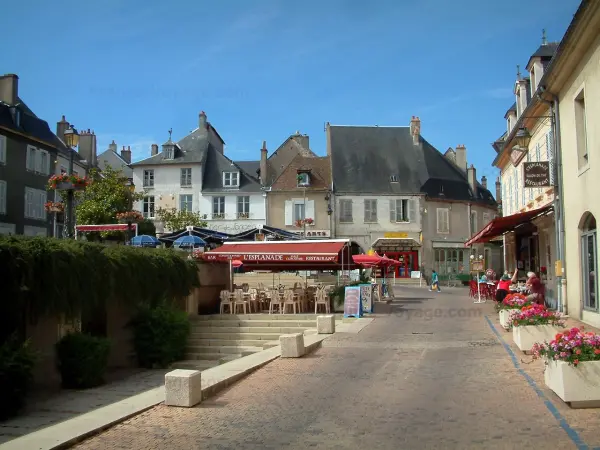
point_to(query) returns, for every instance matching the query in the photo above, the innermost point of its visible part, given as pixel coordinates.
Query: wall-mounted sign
(395, 235)
(271, 257)
(315, 233)
(536, 174)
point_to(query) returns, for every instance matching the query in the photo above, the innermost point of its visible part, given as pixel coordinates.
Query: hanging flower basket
(301, 222)
(130, 217)
(65, 182)
(55, 207)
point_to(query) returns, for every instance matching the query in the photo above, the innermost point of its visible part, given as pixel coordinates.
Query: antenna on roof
(170, 133)
(544, 40)
(518, 72)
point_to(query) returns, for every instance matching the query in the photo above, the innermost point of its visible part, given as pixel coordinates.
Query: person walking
(435, 282)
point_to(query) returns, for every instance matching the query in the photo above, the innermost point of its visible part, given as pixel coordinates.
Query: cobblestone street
(431, 374)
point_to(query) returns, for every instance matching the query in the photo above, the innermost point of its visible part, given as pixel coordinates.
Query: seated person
(536, 288)
(503, 288)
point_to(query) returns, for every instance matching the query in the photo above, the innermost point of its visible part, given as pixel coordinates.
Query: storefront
(403, 249)
(449, 259)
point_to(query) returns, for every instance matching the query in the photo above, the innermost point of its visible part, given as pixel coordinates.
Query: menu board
(366, 298)
(352, 304)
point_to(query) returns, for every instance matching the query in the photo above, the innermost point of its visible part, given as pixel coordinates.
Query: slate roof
(192, 149)
(250, 167)
(513, 108)
(320, 173)
(215, 164)
(364, 158)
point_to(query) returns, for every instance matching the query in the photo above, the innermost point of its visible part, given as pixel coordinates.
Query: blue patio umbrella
(189, 241)
(144, 240)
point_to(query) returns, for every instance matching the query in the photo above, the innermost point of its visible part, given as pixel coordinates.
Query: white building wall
(230, 223)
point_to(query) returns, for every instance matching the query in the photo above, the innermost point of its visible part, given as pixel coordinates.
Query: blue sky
(132, 69)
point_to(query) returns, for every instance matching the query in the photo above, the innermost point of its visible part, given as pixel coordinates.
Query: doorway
(409, 261)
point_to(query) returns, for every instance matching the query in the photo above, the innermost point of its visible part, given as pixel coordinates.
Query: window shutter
(41, 202)
(412, 210)
(446, 221)
(3, 149)
(2, 196)
(38, 161)
(392, 210)
(310, 209)
(288, 212)
(439, 220)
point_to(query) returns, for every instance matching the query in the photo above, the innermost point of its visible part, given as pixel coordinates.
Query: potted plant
(130, 217)
(511, 304)
(534, 324)
(54, 207)
(572, 366)
(66, 182)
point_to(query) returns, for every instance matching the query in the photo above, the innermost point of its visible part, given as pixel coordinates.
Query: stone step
(195, 364)
(258, 317)
(225, 343)
(247, 330)
(228, 349)
(255, 323)
(217, 358)
(236, 336)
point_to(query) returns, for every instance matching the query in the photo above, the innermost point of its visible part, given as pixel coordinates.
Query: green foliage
(176, 220)
(58, 276)
(82, 360)
(160, 335)
(16, 366)
(146, 226)
(105, 197)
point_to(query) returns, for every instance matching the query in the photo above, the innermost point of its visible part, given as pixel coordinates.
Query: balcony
(219, 216)
(243, 215)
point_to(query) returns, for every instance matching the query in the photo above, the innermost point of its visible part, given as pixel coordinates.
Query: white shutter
(446, 221)
(310, 210)
(30, 163)
(41, 201)
(393, 211)
(2, 149)
(28, 203)
(412, 210)
(2, 197)
(289, 213)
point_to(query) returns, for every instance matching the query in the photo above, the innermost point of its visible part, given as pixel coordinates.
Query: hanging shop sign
(536, 174)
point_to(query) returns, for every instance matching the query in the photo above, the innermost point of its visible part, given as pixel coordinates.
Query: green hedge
(16, 370)
(160, 335)
(81, 360)
(55, 276)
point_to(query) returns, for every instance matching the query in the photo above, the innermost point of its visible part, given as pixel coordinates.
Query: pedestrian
(435, 282)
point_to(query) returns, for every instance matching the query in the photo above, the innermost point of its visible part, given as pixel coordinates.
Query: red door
(409, 262)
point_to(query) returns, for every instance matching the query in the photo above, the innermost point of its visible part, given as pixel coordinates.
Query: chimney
(498, 191)
(263, 164)
(61, 127)
(484, 182)
(472, 178)
(461, 157)
(9, 89)
(302, 139)
(328, 138)
(202, 122)
(113, 146)
(126, 154)
(415, 129)
(154, 150)
(87, 147)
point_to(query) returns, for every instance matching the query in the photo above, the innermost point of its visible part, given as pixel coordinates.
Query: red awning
(502, 225)
(107, 227)
(285, 255)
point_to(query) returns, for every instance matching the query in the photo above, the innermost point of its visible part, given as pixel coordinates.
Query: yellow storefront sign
(395, 235)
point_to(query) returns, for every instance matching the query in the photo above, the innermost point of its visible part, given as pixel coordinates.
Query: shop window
(589, 262)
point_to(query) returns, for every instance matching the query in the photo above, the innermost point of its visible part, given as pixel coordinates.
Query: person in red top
(536, 288)
(504, 286)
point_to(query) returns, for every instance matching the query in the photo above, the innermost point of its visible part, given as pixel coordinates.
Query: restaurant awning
(286, 255)
(501, 225)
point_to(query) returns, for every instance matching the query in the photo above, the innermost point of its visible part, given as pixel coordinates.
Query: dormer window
(169, 153)
(231, 179)
(394, 179)
(303, 179)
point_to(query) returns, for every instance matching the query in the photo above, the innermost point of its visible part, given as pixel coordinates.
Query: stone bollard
(326, 324)
(183, 388)
(292, 345)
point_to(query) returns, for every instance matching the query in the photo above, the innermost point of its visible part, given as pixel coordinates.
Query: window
(149, 207)
(370, 210)
(34, 204)
(486, 219)
(303, 179)
(2, 197)
(186, 202)
(63, 169)
(443, 220)
(401, 210)
(393, 178)
(30, 163)
(550, 153)
(231, 179)
(449, 261)
(299, 212)
(186, 177)
(589, 256)
(148, 178)
(169, 152)
(44, 162)
(218, 207)
(474, 222)
(580, 130)
(243, 207)
(345, 211)
(3, 149)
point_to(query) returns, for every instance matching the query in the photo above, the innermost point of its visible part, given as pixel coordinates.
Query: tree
(107, 195)
(177, 220)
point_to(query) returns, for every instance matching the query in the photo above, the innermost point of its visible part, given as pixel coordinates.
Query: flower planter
(526, 336)
(579, 386)
(67, 186)
(504, 315)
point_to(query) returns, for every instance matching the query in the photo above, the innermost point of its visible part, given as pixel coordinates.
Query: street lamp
(523, 137)
(480, 258)
(71, 138)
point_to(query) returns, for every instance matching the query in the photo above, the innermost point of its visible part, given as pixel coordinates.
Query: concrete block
(292, 345)
(183, 388)
(326, 324)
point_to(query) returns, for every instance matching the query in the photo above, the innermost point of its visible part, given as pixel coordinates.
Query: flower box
(505, 319)
(527, 335)
(577, 385)
(67, 186)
